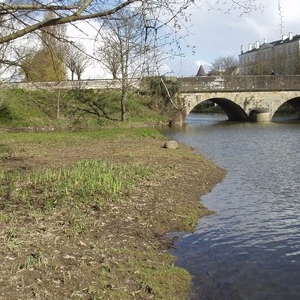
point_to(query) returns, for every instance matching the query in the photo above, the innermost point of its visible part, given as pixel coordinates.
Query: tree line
(133, 38)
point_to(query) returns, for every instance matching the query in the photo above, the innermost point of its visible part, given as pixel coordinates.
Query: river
(249, 249)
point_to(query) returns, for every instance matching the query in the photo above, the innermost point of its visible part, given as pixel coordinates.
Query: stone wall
(239, 83)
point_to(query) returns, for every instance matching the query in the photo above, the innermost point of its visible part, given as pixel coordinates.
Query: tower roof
(201, 71)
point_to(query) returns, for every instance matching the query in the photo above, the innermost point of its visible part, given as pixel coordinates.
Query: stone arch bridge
(243, 98)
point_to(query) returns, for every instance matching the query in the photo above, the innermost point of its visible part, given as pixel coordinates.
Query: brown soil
(116, 252)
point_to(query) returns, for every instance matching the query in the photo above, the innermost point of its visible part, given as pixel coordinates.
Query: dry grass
(78, 249)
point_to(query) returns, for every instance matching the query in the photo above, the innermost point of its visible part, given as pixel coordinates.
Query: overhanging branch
(77, 16)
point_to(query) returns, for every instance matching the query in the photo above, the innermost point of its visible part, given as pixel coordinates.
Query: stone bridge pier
(257, 106)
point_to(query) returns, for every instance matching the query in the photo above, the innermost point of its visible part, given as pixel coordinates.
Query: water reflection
(250, 249)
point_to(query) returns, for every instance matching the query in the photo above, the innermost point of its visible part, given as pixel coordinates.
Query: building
(279, 57)
(201, 71)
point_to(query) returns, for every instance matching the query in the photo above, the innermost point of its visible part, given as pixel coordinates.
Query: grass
(39, 110)
(83, 214)
(71, 137)
(19, 144)
(20, 108)
(90, 182)
(93, 182)
(150, 275)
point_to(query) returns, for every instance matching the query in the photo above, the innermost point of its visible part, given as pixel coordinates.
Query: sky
(216, 33)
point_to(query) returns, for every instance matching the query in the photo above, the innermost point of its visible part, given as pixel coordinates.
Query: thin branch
(63, 20)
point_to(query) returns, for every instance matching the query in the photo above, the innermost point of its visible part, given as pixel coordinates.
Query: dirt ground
(117, 252)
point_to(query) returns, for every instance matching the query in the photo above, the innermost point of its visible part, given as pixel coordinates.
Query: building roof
(232, 70)
(284, 40)
(201, 71)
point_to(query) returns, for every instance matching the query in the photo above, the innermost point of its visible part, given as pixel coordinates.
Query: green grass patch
(90, 182)
(125, 131)
(21, 108)
(71, 137)
(79, 109)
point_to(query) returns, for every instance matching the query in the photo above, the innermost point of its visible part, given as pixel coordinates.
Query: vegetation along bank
(83, 214)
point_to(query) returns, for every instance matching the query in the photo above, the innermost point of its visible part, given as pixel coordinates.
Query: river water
(249, 249)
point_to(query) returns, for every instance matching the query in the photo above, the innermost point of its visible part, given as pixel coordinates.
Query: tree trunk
(58, 105)
(123, 104)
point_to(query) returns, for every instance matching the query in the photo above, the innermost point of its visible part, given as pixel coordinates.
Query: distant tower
(201, 71)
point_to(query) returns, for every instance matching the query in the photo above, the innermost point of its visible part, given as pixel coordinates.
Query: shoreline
(119, 251)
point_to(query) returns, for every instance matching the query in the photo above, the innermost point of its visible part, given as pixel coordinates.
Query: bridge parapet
(239, 83)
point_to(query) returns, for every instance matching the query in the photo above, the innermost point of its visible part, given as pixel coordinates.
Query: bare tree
(221, 64)
(76, 59)
(22, 17)
(125, 50)
(110, 57)
(8, 67)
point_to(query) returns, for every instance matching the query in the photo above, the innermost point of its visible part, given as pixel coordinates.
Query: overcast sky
(215, 33)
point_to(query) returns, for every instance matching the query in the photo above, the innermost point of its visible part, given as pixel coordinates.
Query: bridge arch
(233, 111)
(259, 106)
(293, 102)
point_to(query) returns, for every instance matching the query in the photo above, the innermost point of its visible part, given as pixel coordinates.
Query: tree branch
(77, 16)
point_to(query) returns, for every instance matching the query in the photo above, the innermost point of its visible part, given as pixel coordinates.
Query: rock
(171, 145)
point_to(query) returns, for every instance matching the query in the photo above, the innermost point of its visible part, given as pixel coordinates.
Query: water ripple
(250, 249)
